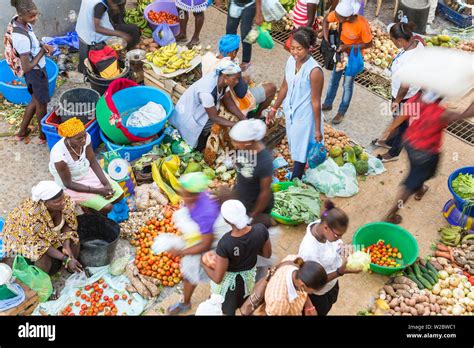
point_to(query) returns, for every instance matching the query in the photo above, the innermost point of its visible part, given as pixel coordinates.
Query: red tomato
(78, 293)
(124, 297)
(84, 307)
(88, 287)
(116, 297)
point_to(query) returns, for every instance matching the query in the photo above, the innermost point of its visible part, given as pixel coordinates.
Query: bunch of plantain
(134, 16)
(169, 58)
(451, 235)
(147, 32)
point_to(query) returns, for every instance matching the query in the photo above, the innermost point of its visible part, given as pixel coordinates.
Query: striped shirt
(281, 297)
(300, 14)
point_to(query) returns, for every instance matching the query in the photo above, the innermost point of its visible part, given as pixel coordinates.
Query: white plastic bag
(212, 306)
(376, 166)
(332, 180)
(272, 10)
(150, 114)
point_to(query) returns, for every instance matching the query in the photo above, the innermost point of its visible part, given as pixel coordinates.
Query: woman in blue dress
(300, 94)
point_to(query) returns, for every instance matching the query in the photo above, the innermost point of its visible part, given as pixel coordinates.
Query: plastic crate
(461, 20)
(55, 120)
(52, 136)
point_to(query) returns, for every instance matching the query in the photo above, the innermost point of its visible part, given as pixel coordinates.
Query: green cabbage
(358, 261)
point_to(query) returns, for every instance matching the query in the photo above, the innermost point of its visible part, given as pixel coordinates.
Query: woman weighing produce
(355, 33)
(75, 168)
(233, 276)
(300, 94)
(44, 229)
(204, 211)
(402, 36)
(322, 243)
(198, 108)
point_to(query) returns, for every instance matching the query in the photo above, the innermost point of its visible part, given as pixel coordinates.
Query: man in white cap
(355, 32)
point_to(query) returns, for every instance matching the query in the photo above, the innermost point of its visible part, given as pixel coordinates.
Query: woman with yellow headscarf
(75, 168)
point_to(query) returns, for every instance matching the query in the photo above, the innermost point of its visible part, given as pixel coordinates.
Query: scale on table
(115, 166)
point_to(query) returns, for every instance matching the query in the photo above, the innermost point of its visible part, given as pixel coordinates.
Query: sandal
(191, 44)
(23, 137)
(41, 141)
(394, 219)
(181, 38)
(178, 308)
(419, 195)
(377, 143)
(385, 160)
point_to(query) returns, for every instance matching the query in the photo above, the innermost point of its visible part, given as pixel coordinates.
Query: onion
(457, 310)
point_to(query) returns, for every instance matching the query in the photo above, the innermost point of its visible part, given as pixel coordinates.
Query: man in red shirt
(423, 140)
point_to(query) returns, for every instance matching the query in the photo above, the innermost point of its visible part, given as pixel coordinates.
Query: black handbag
(327, 50)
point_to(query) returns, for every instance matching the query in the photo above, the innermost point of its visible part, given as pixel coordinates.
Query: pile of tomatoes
(162, 17)
(92, 302)
(164, 266)
(384, 254)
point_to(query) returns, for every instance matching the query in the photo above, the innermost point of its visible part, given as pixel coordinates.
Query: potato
(401, 287)
(420, 308)
(155, 45)
(394, 302)
(404, 293)
(389, 290)
(432, 298)
(422, 299)
(413, 311)
(410, 302)
(427, 311)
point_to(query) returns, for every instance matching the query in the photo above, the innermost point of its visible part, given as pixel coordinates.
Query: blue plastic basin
(20, 94)
(458, 201)
(135, 97)
(130, 153)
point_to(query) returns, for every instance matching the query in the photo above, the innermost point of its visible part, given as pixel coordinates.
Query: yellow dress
(30, 230)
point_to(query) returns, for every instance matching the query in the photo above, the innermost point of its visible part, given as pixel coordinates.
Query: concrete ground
(24, 165)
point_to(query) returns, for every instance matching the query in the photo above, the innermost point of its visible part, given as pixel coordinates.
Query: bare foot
(394, 219)
(21, 137)
(419, 195)
(193, 42)
(180, 38)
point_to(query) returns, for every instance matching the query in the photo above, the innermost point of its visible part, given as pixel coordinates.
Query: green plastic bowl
(392, 234)
(282, 186)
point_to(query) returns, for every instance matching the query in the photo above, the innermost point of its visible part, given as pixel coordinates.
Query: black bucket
(78, 102)
(99, 84)
(99, 237)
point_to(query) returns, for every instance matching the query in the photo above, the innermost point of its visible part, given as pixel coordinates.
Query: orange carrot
(445, 254)
(441, 247)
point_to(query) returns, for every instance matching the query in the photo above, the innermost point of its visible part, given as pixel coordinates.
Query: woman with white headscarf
(44, 229)
(254, 165)
(198, 108)
(355, 31)
(232, 268)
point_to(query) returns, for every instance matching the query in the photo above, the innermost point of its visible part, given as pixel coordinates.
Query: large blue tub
(19, 94)
(458, 201)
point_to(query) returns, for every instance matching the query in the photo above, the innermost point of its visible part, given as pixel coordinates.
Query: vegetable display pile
(353, 155)
(334, 138)
(383, 50)
(162, 267)
(148, 45)
(300, 203)
(162, 17)
(452, 235)
(383, 254)
(463, 185)
(147, 287)
(91, 301)
(459, 6)
(137, 219)
(283, 150)
(135, 16)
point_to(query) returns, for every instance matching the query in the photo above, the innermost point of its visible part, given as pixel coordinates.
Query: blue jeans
(348, 87)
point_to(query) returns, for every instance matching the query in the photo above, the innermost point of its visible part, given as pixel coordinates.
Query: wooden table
(27, 306)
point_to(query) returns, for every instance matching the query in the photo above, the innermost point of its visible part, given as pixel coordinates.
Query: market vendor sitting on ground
(250, 100)
(204, 211)
(43, 229)
(99, 20)
(198, 108)
(75, 168)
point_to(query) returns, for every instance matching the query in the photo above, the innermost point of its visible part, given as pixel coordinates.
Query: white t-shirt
(23, 46)
(326, 254)
(60, 153)
(397, 63)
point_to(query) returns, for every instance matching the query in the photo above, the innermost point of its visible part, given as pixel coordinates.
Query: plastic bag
(356, 62)
(33, 277)
(317, 154)
(376, 166)
(252, 36)
(71, 39)
(163, 35)
(264, 39)
(212, 306)
(332, 180)
(272, 10)
(148, 115)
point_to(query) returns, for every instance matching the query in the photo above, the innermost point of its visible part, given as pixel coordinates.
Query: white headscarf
(227, 67)
(235, 213)
(45, 190)
(248, 130)
(347, 8)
